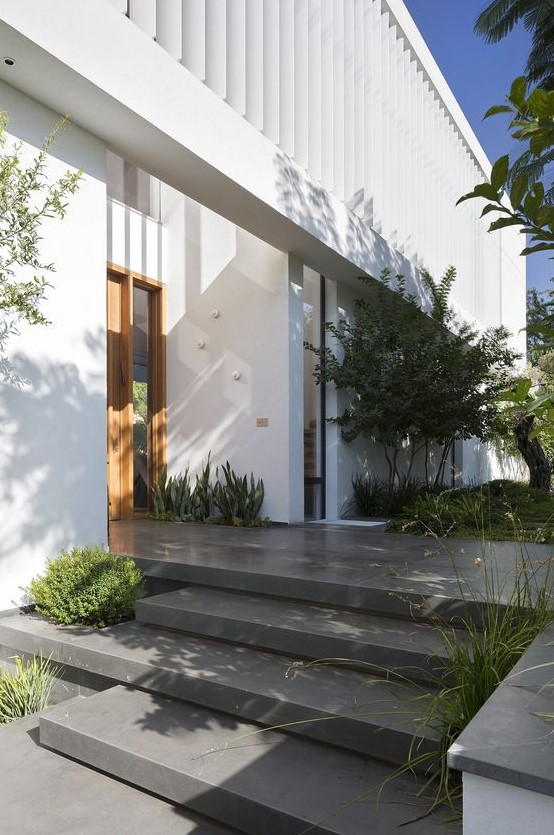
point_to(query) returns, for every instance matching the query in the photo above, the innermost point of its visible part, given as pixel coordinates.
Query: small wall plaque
(261, 422)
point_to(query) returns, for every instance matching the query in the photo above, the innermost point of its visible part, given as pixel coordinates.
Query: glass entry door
(136, 391)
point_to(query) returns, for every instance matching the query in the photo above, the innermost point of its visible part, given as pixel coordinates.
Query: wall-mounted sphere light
(236, 375)
(215, 313)
(200, 344)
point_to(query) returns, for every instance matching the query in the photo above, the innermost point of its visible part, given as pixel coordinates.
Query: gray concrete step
(261, 783)
(45, 794)
(300, 629)
(340, 706)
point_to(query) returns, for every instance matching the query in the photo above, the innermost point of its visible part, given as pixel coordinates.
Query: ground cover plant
(499, 510)
(28, 689)
(88, 586)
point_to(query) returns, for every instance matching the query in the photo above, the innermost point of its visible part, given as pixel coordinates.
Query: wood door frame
(120, 410)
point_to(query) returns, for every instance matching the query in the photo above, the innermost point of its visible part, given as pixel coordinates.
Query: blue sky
(479, 75)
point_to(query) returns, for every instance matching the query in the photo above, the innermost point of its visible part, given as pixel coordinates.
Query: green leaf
(518, 91)
(539, 103)
(499, 173)
(498, 108)
(502, 222)
(544, 247)
(519, 189)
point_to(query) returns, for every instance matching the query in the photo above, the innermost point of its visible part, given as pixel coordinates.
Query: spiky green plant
(237, 498)
(173, 497)
(28, 689)
(203, 494)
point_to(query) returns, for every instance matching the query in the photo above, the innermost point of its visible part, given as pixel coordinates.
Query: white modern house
(243, 162)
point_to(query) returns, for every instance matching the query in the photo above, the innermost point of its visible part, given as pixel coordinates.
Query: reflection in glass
(141, 414)
(313, 461)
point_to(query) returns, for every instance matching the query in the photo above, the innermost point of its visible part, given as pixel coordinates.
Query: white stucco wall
(212, 265)
(499, 809)
(53, 427)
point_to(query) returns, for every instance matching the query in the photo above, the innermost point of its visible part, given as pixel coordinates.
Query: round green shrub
(89, 586)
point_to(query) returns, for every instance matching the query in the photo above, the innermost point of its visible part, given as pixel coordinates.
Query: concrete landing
(362, 568)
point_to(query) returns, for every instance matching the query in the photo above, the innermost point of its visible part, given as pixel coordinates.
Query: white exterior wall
(212, 265)
(53, 428)
(501, 809)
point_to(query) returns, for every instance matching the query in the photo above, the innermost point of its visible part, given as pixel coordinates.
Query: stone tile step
(261, 783)
(45, 794)
(342, 707)
(300, 629)
(417, 592)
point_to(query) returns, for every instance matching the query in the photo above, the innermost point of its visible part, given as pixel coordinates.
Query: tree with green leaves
(499, 18)
(28, 197)
(410, 378)
(519, 201)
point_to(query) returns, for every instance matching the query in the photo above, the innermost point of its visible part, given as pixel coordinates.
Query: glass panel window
(141, 415)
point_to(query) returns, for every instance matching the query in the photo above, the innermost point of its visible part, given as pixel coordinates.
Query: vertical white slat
(369, 110)
(121, 5)
(169, 26)
(315, 125)
(327, 105)
(348, 128)
(359, 108)
(271, 69)
(143, 14)
(338, 98)
(194, 37)
(216, 46)
(374, 171)
(254, 68)
(286, 76)
(301, 106)
(385, 125)
(236, 55)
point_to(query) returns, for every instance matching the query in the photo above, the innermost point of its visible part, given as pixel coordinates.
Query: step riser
(418, 665)
(402, 604)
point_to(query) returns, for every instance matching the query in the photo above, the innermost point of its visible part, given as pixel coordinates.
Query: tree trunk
(533, 454)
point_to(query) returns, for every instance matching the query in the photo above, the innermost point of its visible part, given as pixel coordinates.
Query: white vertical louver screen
(338, 87)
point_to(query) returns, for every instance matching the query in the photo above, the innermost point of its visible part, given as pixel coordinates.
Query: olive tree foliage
(410, 379)
(27, 198)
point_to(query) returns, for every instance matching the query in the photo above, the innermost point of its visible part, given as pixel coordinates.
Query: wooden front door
(136, 391)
